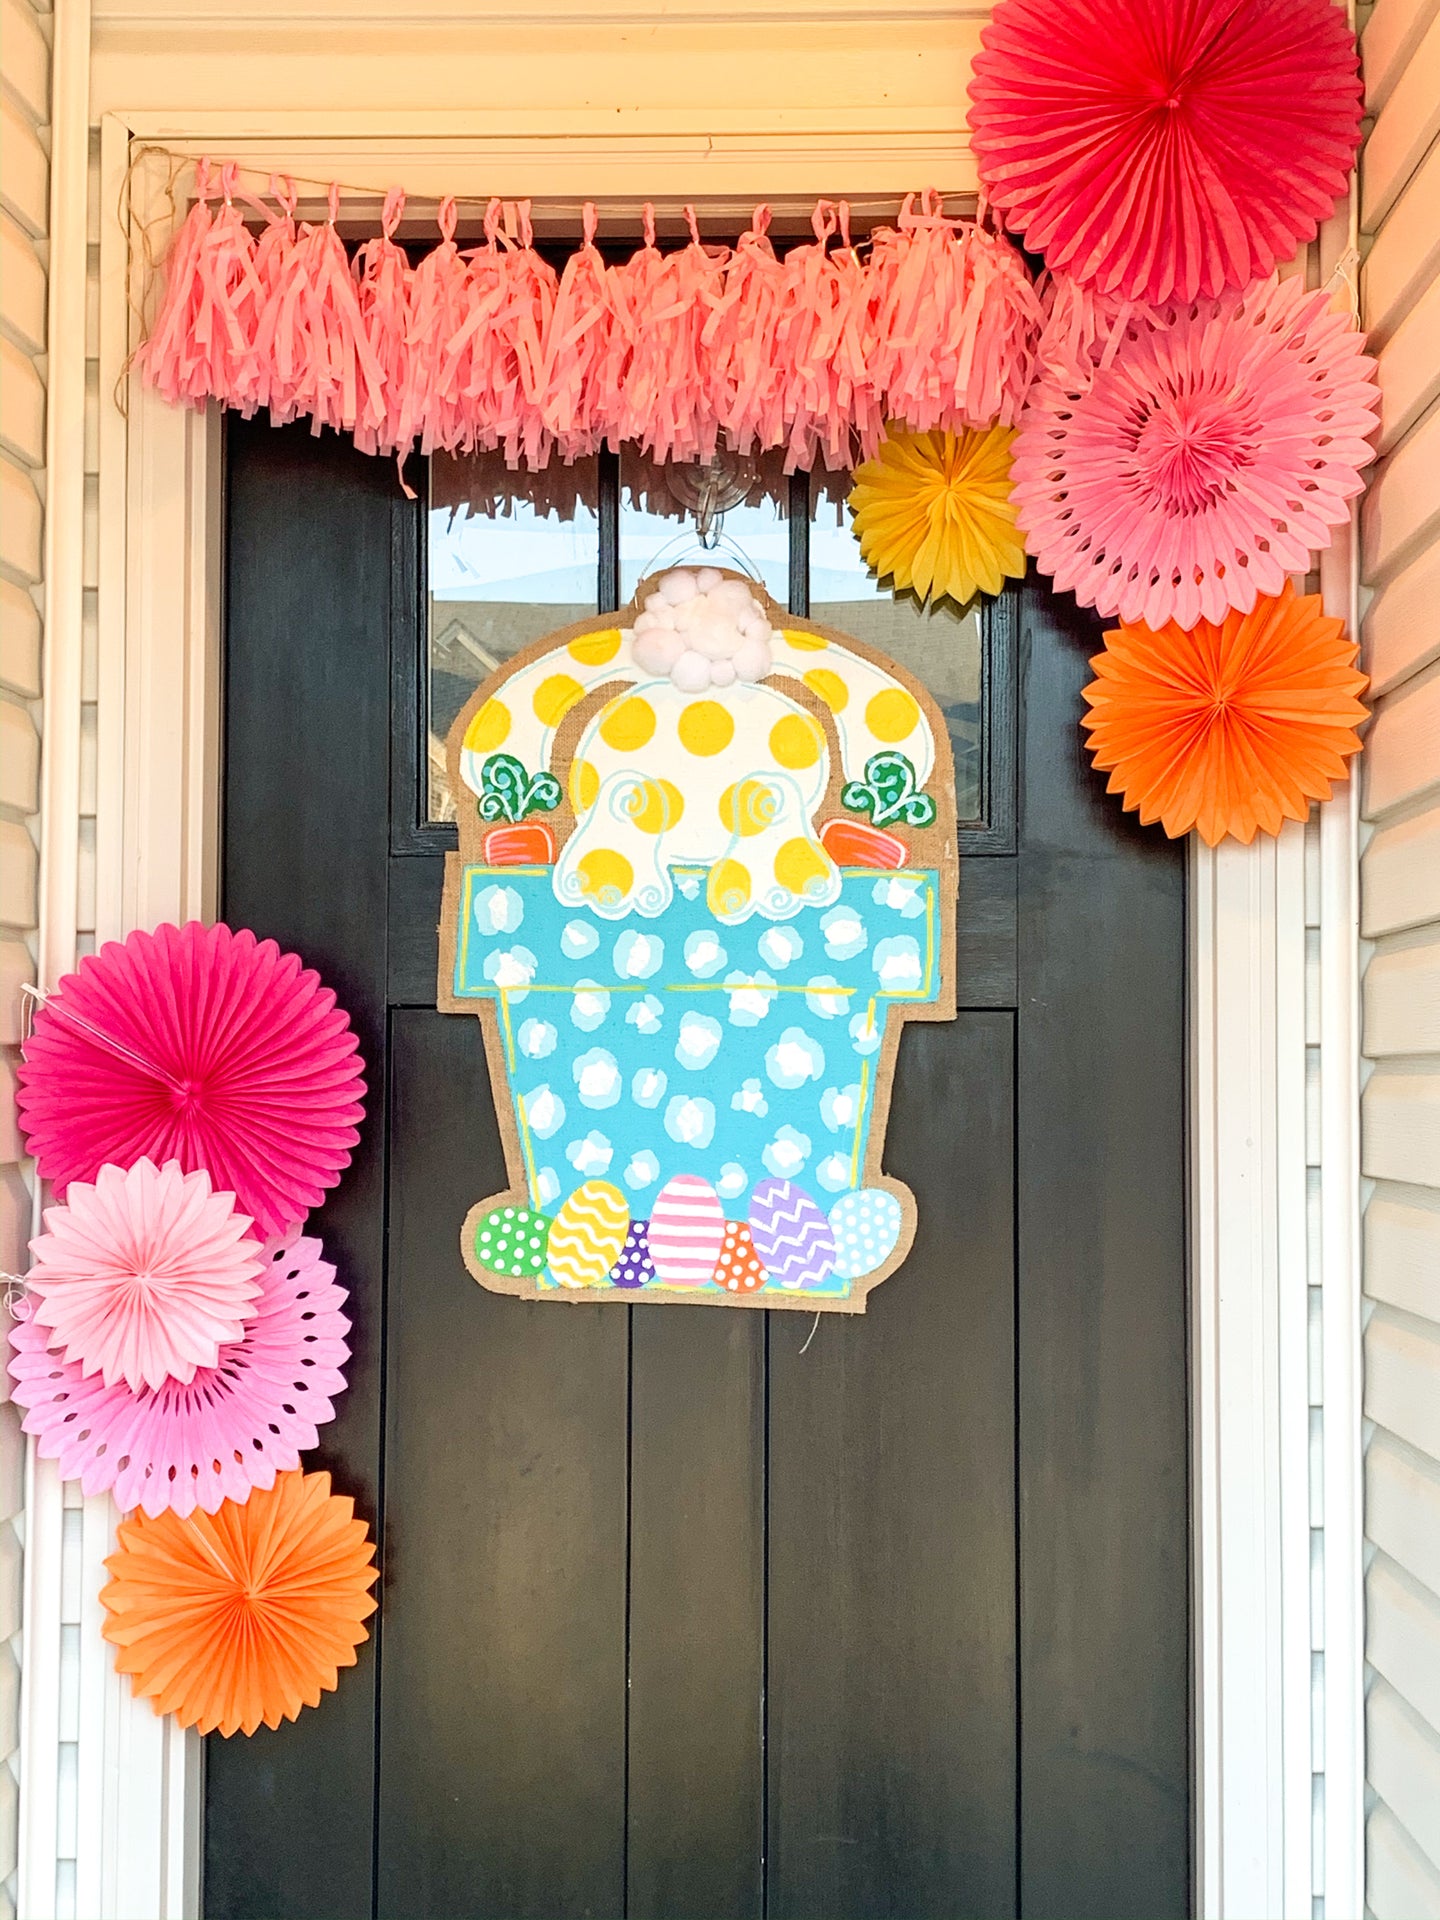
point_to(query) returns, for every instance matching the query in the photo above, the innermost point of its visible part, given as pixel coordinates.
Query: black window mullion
(800, 545)
(607, 591)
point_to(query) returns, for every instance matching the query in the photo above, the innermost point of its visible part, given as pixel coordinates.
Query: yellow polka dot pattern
(554, 698)
(595, 649)
(800, 865)
(658, 806)
(829, 687)
(607, 876)
(747, 808)
(796, 741)
(584, 786)
(727, 891)
(892, 715)
(705, 727)
(629, 725)
(804, 642)
(488, 728)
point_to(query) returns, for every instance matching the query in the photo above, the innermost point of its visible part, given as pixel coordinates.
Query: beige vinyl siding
(24, 184)
(1400, 915)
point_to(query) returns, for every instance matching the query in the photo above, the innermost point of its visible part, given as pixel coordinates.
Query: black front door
(693, 1615)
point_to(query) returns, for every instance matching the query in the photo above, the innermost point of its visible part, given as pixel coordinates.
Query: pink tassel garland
(935, 324)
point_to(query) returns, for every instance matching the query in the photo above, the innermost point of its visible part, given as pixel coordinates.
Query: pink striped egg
(792, 1236)
(687, 1227)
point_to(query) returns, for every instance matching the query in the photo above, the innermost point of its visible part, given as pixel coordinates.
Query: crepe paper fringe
(934, 324)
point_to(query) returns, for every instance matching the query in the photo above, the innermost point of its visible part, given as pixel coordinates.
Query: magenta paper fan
(233, 1427)
(1205, 463)
(201, 1045)
(145, 1275)
(1159, 148)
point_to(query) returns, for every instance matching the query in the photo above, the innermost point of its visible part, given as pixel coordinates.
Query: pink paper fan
(143, 1276)
(233, 1427)
(1165, 147)
(1205, 463)
(200, 1045)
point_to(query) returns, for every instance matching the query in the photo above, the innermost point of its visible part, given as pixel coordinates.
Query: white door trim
(1274, 1227)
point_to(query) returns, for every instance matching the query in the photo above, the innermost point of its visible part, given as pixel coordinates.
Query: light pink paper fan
(1205, 463)
(233, 1427)
(201, 1045)
(145, 1275)
(1165, 148)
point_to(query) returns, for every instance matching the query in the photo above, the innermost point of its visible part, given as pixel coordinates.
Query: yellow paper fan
(933, 511)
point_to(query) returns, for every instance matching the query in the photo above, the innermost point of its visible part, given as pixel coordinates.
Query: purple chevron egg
(792, 1236)
(634, 1266)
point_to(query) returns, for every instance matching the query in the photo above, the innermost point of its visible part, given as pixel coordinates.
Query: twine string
(33, 999)
(16, 1300)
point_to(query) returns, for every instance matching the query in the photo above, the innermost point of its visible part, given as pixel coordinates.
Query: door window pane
(750, 501)
(942, 644)
(511, 556)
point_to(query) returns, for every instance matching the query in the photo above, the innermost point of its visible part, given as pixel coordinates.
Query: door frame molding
(1274, 1224)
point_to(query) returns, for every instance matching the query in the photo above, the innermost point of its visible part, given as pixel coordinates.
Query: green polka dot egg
(513, 1241)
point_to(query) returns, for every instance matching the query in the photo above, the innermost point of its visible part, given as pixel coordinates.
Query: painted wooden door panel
(683, 1618)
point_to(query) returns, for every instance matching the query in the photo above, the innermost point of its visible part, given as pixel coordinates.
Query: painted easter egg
(687, 1228)
(791, 1234)
(634, 1267)
(512, 1241)
(866, 1226)
(587, 1234)
(738, 1269)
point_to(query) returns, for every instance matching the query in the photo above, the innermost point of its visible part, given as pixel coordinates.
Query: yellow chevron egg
(587, 1234)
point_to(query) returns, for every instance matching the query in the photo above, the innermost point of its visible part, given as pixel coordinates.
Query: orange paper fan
(1227, 727)
(244, 1615)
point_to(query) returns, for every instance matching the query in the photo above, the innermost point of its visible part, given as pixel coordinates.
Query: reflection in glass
(512, 556)
(660, 507)
(942, 644)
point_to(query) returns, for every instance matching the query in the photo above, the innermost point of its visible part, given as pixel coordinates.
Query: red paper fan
(1165, 147)
(1205, 463)
(201, 1045)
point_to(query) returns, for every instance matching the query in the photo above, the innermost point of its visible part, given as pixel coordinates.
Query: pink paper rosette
(234, 1426)
(143, 1276)
(200, 1045)
(1165, 148)
(1206, 462)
